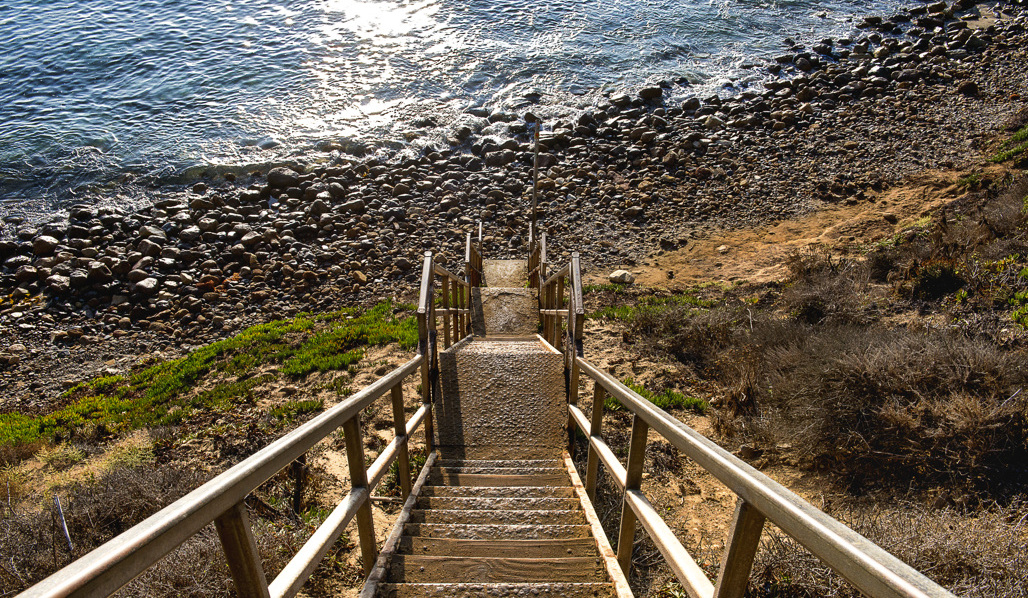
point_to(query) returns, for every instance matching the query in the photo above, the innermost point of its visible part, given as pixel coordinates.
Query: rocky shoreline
(924, 89)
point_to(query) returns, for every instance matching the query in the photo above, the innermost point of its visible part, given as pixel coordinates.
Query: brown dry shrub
(973, 555)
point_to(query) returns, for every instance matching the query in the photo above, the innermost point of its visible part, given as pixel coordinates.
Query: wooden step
(498, 517)
(493, 470)
(496, 590)
(450, 569)
(496, 532)
(539, 549)
(511, 463)
(442, 478)
(499, 491)
(495, 503)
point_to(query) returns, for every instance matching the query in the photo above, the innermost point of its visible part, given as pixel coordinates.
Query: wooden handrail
(109, 567)
(869, 568)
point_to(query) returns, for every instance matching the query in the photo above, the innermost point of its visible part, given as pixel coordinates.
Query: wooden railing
(872, 570)
(221, 500)
(473, 259)
(536, 260)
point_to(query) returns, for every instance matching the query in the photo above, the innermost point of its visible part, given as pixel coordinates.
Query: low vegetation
(96, 449)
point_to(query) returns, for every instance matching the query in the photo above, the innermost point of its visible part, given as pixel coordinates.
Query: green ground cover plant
(164, 394)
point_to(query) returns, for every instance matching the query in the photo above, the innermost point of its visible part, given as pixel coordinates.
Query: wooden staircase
(500, 510)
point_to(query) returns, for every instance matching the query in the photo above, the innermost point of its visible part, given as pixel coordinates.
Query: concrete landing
(501, 400)
(505, 273)
(505, 312)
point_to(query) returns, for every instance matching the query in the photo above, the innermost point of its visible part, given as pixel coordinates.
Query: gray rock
(283, 178)
(44, 245)
(146, 287)
(621, 277)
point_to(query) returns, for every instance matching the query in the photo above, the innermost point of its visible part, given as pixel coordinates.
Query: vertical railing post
(576, 322)
(592, 464)
(458, 303)
(425, 346)
(559, 304)
(359, 479)
(743, 541)
(240, 548)
(400, 431)
(445, 281)
(633, 481)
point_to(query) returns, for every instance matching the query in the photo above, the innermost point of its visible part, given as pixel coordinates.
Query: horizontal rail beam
(554, 312)
(692, 578)
(614, 467)
(557, 275)
(871, 569)
(441, 271)
(290, 581)
(292, 578)
(109, 567)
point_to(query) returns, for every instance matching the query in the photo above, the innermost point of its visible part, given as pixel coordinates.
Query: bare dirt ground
(757, 255)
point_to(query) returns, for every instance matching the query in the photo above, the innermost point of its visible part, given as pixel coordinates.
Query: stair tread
(535, 548)
(499, 491)
(419, 568)
(488, 479)
(491, 470)
(496, 590)
(513, 463)
(474, 503)
(497, 531)
(497, 516)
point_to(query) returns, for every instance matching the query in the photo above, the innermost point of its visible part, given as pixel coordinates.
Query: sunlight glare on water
(97, 92)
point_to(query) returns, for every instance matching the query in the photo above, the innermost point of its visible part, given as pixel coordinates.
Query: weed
(291, 410)
(668, 399)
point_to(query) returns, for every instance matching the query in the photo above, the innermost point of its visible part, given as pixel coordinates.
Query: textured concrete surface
(505, 273)
(501, 400)
(505, 312)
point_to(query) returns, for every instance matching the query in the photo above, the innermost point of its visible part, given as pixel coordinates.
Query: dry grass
(977, 555)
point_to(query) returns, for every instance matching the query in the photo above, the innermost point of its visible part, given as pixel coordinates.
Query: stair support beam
(633, 481)
(240, 547)
(359, 479)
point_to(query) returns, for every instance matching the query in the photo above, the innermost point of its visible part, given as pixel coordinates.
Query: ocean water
(101, 96)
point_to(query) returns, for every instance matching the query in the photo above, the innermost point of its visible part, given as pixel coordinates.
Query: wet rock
(283, 178)
(44, 245)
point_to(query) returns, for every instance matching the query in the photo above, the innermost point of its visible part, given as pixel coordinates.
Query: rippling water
(95, 92)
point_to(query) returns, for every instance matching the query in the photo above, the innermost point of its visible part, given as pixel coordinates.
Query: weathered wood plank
(428, 569)
(536, 548)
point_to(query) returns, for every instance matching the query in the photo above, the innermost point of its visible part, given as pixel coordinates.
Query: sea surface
(102, 97)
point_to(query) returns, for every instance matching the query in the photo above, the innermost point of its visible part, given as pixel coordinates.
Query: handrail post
(557, 336)
(445, 281)
(743, 541)
(592, 464)
(426, 339)
(633, 481)
(244, 562)
(576, 324)
(458, 320)
(400, 431)
(359, 479)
